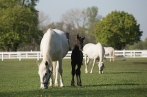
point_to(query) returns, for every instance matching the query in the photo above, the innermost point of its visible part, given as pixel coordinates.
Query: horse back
(54, 44)
(91, 51)
(109, 50)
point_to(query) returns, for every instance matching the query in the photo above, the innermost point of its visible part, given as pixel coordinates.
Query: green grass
(120, 79)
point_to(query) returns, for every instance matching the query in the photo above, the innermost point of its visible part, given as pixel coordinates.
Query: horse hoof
(72, 83)
(50, 85)
(61, 86)
(56, 85)
(79, 84)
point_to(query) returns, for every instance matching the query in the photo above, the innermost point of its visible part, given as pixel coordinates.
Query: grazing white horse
(94, 51)
(110, 51)
(54, 46)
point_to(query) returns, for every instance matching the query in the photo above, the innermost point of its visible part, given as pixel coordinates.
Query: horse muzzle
(44, 85)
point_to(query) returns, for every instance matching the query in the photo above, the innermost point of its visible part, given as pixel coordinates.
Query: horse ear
(46, 63)
(83, 38)
(78, 36)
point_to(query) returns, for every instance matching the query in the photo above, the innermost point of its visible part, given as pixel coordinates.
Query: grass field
(120, 79)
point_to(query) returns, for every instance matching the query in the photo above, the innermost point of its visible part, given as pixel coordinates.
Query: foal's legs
(73, 65)
(78, 75)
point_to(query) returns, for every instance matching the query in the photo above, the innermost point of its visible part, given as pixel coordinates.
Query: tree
(18, 23)
(93, 17)
(75, 17)
(136, 46)
(77, 21)
(118, 29)
(74, 22)
(145, 44)
(43, 20)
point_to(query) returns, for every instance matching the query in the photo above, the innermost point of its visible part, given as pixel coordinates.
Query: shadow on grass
(140, 63)
(84, 91)
(129, 84)
(122, 72)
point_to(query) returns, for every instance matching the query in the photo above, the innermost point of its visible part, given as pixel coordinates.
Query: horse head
(80, 41)
(101, 67)
(44, 73)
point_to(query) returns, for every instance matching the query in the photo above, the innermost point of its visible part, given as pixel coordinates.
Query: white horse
(94, 51)
(54, 46)
(110, 51)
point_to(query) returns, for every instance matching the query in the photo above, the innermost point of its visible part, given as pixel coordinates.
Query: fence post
(19, 54)
(26, 55)
(9, 55)
(2, 56)
(38, 56)
(134, 54)
(124, 56)
(124, 52)
(131, 53)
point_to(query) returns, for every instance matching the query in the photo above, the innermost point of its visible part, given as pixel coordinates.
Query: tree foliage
(18, 23)
(118, 29)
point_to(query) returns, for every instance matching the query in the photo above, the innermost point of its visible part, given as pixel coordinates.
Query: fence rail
(37, 55)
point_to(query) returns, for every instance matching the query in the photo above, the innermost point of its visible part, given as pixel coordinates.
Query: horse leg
(113, 56)
(60, 71)
(54, 72)
(93, 65)
(78, 75)
(105, 57)
(110, 57)
(86, 63)
(73, 65)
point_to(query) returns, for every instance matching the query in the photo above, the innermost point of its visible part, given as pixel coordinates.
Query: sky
(54, 9)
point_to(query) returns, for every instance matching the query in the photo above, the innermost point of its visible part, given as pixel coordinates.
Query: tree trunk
(15, 46)
(7, 49)
(121, 46)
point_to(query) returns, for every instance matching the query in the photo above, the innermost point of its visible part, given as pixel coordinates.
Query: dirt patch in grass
(140, 62)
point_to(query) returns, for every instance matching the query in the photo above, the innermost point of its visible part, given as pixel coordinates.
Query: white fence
(36, 54)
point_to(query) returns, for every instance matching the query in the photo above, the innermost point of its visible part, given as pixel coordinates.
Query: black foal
(76, 60)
